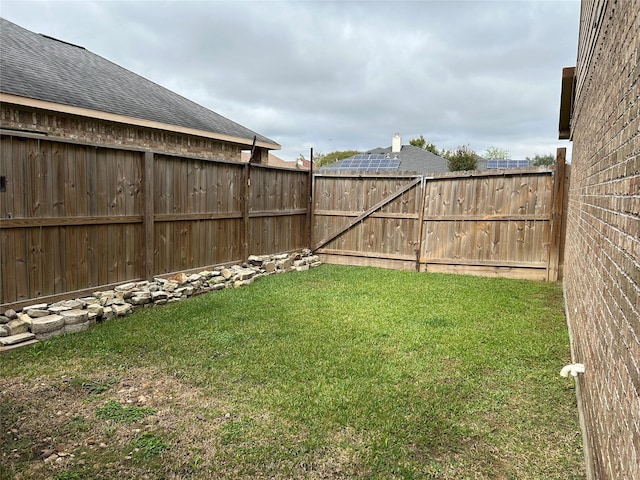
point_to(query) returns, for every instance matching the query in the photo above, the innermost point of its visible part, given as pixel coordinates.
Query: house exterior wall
(84, 129)
(602, 267)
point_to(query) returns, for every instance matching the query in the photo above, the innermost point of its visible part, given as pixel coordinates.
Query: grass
(337, 372)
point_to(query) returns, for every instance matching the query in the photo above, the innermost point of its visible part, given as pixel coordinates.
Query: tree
(422, 143)
(462, 159)
(540, 160)
(496, 153)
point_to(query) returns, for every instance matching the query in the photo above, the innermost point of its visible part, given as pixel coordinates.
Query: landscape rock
(58, 309)
(17, 326)
(42, 321)
(96, 309)
(37, 312)
(73, 317)
(47, 324)
(24, 317)
(226, 273)
(125, 287)
(122, 310)
(17, 338)
(179, 278)
(140, 298)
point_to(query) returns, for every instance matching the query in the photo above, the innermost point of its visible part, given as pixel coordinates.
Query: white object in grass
(573, 369)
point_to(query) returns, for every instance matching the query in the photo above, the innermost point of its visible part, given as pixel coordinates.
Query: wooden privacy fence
(77, 217)
(505, 223)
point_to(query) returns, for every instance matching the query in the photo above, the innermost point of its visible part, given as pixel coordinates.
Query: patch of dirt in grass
(49, 427)
(344, 458)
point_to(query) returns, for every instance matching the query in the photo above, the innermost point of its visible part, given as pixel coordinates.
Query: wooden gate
(498, 223)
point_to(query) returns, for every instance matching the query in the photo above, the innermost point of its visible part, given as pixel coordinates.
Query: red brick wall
(602, 256)
(110, 133)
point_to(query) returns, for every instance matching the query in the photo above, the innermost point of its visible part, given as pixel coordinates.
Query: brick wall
(110, 133)
(602, 267)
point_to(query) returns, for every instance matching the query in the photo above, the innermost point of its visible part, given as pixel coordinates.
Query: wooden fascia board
(112, 117)
(566, 102)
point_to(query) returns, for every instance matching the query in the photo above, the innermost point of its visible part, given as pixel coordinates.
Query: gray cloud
(343, 74)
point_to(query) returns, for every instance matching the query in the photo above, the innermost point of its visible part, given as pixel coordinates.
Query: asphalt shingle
(36, 66)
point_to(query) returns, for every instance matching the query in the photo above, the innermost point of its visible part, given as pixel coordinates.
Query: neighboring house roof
(55, 73)
(274, 161)
(409, 159)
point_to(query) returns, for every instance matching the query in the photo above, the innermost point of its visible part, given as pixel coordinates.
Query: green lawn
(337, 372)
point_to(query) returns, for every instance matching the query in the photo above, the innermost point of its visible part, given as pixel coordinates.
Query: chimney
(396, 143)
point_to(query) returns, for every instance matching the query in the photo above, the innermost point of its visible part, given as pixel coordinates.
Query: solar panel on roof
(495, 164)
(372, 162)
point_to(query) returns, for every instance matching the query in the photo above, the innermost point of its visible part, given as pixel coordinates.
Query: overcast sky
(343, 75)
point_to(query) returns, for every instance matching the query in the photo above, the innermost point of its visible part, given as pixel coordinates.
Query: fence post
(310, 204)
(556, 216)
(245, 191)
(148, 215)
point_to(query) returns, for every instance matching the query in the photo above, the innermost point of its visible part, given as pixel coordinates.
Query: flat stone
(245, 274)
(107, 313)
(18, 338)
(59, 308)
(255, 260)
(179, 278)
(36, 312)
(114, 301)
(73, 317)
(47, 324)
(10, 314)
(4, 319)
(125, 287)
(140, 298)
(3, 331)
(159, 295)
(301, 268)
(219, 286)
(73, 304)
(78, 327)
(37, 306)
(122, 310)
(96, 309)
(104, 295)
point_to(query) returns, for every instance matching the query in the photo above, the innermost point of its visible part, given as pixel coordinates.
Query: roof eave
(111, 117)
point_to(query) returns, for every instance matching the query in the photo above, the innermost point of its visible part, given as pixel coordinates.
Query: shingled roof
(410, 159)
(35, 66)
